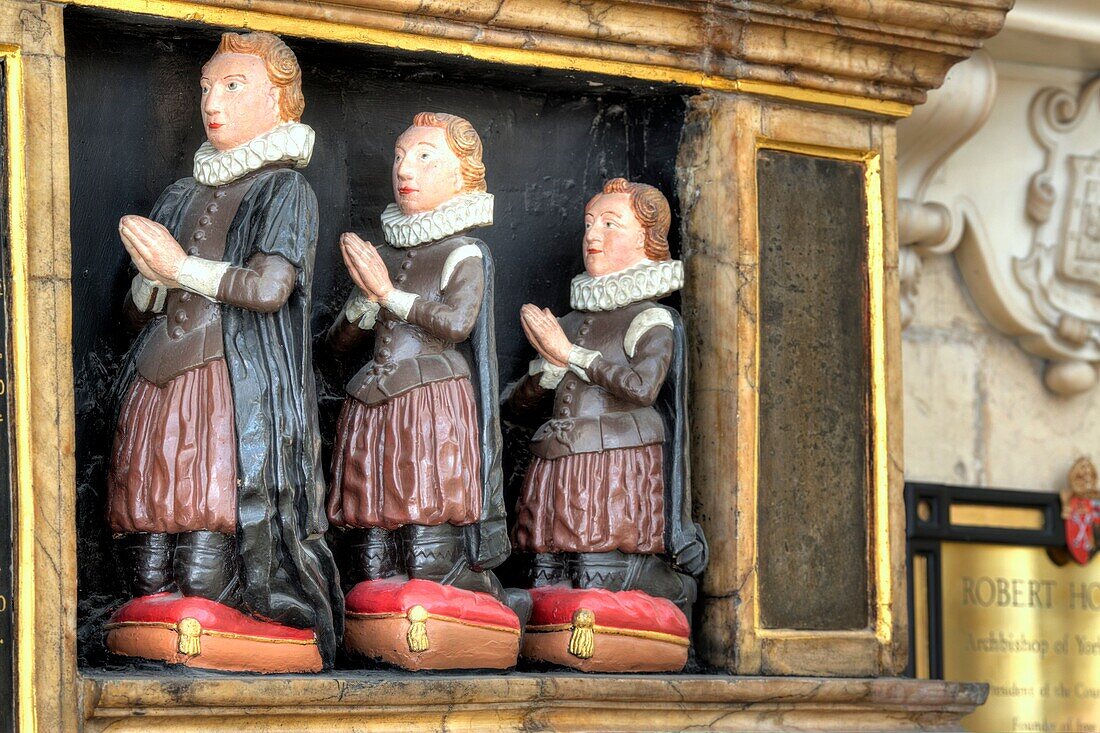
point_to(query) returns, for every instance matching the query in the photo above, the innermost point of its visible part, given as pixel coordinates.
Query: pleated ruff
(174, 463)
(594, 502)
(412, 460)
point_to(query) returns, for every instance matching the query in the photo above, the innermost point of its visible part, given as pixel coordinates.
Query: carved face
(614, 239)
(426, 171)
(239, 102)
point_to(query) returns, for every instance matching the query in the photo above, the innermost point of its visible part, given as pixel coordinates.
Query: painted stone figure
(416, 467)
(215, 489)
(604, 509)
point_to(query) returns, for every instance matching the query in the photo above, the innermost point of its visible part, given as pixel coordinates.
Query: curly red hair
(463, 141)
(281, 63)
(652, 211)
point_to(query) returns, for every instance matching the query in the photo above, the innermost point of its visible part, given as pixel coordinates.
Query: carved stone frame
(891, 54)
(1048, 300)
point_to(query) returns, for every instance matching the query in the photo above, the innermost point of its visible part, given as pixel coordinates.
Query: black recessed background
(551, 139)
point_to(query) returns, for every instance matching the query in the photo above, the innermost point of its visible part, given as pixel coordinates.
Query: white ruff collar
(647, 280)
(465, 211)
(290, 141)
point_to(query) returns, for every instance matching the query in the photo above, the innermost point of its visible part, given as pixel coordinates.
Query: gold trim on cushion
(206, 632)
(611, 630)
(435, 616)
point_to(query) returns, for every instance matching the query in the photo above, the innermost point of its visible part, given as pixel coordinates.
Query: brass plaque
(1029, 628)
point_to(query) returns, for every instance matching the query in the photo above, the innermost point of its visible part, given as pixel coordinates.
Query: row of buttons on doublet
(180, 316)
(386, 322)
(571, 384)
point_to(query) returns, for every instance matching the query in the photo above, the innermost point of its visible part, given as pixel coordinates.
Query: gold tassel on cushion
(582, 641)
(418, 629)
(189, 631)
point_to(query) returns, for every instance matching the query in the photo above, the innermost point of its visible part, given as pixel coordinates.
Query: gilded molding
(25, 617)
(881, 60)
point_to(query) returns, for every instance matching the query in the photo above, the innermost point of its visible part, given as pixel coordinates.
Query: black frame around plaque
(924, 537)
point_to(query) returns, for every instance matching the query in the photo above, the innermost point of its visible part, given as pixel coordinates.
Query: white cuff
(551, 373)
(202, 276)
(399, 303)
(580, 359)
(147, 295)
(362, 309)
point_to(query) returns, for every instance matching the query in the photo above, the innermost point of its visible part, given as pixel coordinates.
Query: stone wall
(976, 412)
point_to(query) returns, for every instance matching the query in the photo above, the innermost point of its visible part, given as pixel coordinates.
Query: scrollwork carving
(1047, 296)
(953, 114)
(1060, 274)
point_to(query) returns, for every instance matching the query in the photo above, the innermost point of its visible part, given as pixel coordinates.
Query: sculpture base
(396, 700)
(197, 632)
(418, 624)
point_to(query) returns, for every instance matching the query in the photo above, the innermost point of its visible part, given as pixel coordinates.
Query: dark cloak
(487, 543)
(684, 540)
(287, 573)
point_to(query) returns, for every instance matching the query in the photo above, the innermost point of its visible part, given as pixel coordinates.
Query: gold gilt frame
(880, 584)
(347, 33)
(19, 324)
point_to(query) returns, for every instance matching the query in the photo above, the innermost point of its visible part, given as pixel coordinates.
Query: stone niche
(134, 124)
(775, 144)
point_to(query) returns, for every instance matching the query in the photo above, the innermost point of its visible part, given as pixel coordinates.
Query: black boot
(651, 574)
(439, 553)
(605, 570)
(548, 569)
(431, 553)
(372, 555)
(206, 566)
(521, 603)
(148, 557)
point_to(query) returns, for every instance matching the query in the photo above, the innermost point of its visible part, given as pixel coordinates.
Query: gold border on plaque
(19, 325)
(349, 33)
(879, 506)
(970, 514)
(922, 618)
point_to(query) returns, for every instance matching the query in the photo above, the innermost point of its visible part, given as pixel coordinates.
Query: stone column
(39, 358)
(791, 301)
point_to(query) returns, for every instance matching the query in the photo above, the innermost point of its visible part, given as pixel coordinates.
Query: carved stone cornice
(882, 57)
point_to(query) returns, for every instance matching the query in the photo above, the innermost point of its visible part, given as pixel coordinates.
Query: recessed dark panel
(551, 139)
(814, 388)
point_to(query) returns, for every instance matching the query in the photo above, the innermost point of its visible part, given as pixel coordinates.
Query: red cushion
(629, 609)
(397, 596)
(171, 608)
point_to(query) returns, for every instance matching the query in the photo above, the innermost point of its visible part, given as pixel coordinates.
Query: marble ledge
(520, 701)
